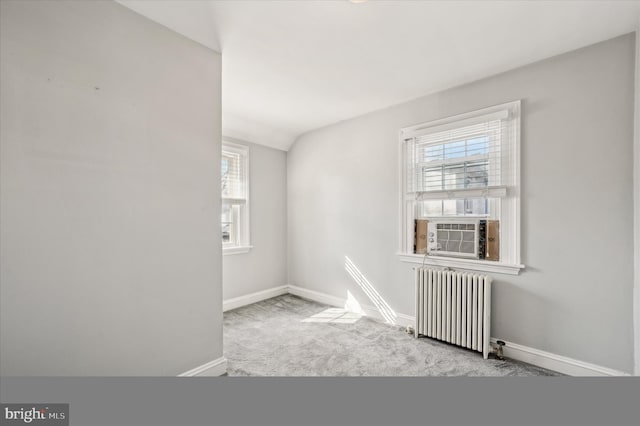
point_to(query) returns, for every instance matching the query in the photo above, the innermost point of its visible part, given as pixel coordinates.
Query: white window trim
(236, 250)
(245, 222)
(471, 264)
(510, 210)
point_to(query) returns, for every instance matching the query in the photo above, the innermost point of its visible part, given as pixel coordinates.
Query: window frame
(508, 196)
(244, 215)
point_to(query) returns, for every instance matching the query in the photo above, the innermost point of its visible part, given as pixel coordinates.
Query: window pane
(230, 222)
(454, 149)
(476, 206)
(454, 176)
(462, 207)
(232, 174)
(450, 207)
(477, 174)
(431, 208)
(432, 178)
(228, 234)
(433, 152)
(478, 146)
(452, 168)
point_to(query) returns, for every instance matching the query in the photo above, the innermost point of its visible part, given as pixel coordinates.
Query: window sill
(476, 265)
(236, 250)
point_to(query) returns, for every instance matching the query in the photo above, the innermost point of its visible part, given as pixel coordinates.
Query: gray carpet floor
(290, 336)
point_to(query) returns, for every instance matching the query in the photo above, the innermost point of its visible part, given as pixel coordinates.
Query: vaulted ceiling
(293, 66)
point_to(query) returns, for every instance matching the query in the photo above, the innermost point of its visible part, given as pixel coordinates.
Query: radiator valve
(499, 346)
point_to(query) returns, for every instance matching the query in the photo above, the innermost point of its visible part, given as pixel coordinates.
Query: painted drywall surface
(575, 297)
(110, 237)
(636, 209)
(265, 265)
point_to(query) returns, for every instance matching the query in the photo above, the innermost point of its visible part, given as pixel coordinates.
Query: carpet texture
(290, 336)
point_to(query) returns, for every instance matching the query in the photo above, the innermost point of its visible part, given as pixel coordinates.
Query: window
(461, 189)
(234, 170)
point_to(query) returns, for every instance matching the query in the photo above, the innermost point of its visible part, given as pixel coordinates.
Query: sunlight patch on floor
(334, 315)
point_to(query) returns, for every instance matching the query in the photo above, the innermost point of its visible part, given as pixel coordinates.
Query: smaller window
(234, 170)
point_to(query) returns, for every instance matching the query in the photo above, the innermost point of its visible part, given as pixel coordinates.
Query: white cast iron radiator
(454, 307)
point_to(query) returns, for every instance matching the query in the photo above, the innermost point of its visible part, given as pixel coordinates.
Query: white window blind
(234, 186)
(235, 196)
(468, 161)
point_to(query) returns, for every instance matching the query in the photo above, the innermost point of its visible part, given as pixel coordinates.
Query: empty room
(319, 188)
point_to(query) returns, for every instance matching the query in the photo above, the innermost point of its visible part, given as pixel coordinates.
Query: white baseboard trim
(406, 320)
(214, 368)
(370, 311)
(316, 296)
(559, 363)
(258, 296)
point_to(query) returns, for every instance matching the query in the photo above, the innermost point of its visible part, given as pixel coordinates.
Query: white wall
(575, 296)
(265, 265)
(636, 180)
(110, 237)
